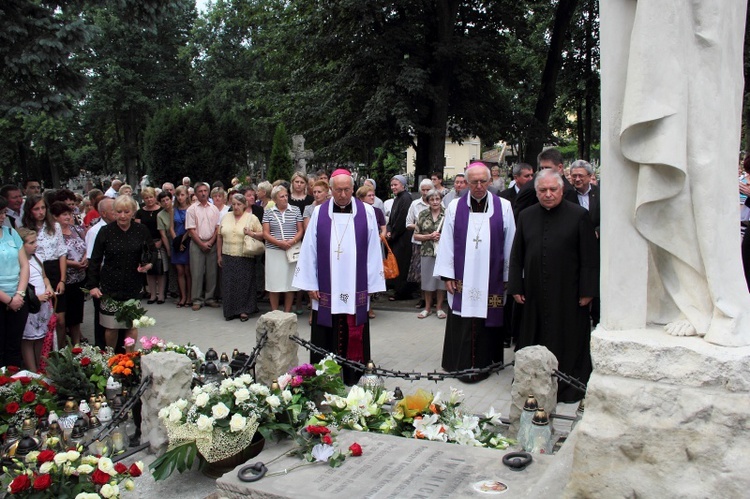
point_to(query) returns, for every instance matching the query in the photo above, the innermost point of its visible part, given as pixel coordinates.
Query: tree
(281, 165)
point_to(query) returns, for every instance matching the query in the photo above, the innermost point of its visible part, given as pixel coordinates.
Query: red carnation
(19, 484)
(40, 410)
(85, 361)
(11, 408)
(327, 439)
(45, 456)
(317, 430)
(28, 397)
(99, 477)
(120, 468)
(76, 350)
(42, 482)
(4, 380)
(52, 390)
(134, 471)
(25, 380)
(13, 369)
(355, 449)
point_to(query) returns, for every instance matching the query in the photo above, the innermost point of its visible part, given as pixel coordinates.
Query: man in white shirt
(112, 191)
(15, 200)
(201, 220)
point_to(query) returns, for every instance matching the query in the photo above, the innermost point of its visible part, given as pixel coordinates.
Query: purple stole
(495, 285)
(324, 264)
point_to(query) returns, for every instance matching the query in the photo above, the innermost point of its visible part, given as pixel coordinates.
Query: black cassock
(335, 339)
(554, 262)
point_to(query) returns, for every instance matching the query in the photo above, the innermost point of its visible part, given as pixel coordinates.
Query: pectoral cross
(476, 241)
(338, 252)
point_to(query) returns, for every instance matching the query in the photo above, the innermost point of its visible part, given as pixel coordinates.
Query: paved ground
(400, 341)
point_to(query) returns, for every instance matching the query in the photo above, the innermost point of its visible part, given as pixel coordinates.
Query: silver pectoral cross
(476, 241)
(338, 252)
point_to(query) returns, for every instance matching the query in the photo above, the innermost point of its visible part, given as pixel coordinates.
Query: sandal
(371, 314)
(423, 314)
(180, 305)
(441, 314)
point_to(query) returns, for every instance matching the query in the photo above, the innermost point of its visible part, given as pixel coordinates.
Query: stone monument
(532, 375)
(665, 413)
(300, 155)
(279, 353)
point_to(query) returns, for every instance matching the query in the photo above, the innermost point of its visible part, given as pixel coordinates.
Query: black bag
(146, 256)
(178, 241)
(32, 300)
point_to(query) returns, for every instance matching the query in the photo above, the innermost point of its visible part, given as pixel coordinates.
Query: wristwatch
(21, 293)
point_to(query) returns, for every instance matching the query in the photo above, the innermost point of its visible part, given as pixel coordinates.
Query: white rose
(241, 395)
(201, 400)
(73, 455)
(163, 413)
(204, 423)
(246, 378)
(136, 324)
(129, 485)
(106, 465)
(92, 460)
(84, 469)
(237, 423)
(227, 385)
(87, 495)
(31, 456)
(61, 458)
(181, 404)
(46, 467)
(259, 389)
(174, 414)
(287, 396)
(220, 410)
(108, 490)
(273, 401)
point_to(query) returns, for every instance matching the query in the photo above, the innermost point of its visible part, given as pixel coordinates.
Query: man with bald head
(340, 266)
(473, 261)
(113, 189)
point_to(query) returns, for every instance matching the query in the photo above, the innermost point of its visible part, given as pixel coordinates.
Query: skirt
(415, 263)
(430, 283)
(38, 323)
(279, 272)
(238, 285)
(52, 271)
(107, 310)
(74, 303)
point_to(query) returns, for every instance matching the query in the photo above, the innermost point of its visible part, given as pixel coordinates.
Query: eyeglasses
(478, 182)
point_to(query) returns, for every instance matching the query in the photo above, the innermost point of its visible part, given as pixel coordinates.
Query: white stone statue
(672, 84)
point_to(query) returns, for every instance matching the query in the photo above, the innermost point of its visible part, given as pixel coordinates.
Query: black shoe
(151, 302)
(420, 304)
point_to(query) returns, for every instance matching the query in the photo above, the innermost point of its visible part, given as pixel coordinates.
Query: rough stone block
(280, 353)
(533, 374)
(171, 376)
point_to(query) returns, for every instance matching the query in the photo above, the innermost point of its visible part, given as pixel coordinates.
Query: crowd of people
(211, 246)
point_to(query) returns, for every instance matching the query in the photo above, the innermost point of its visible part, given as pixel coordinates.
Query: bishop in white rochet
(340, 265)
(473, 260)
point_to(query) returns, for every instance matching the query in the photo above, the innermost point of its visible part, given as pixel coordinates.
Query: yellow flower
(414, 405)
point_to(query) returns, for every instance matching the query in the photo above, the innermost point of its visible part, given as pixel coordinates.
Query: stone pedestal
(532, 374)
(171, 376)
(665, 417)
(280, 353)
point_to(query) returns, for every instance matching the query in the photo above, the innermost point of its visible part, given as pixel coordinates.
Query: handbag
(390, 265)
(32, 300)
(292, 254)
(251, 246)
(146, 256)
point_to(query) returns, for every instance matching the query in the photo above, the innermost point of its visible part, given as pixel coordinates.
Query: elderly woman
(238, 271)
(51, 250)
(125, 190)
(77, 263)
(263, 195)
(14, 278)
(219, 197)
(148, 217)
(427, 231)
(282, 229)
(116, 268)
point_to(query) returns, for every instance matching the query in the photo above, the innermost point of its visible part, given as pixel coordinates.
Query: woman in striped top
(282, 229)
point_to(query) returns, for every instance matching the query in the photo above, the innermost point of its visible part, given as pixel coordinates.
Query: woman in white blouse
(50, 249)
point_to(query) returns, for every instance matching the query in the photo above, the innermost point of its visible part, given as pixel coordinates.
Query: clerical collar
(342, 209)
(478, 206)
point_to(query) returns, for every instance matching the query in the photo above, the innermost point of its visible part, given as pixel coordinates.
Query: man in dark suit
(588, 194)
(549, 158)
(588, 197)
(522, 174)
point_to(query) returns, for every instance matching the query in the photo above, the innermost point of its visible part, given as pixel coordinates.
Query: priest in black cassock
(554, 270)
(340, 265)
(472, 258)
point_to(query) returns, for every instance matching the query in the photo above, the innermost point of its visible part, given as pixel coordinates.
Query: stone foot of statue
(680, 327)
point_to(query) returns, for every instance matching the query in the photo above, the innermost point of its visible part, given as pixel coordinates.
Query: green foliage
(281, 165)
(179, 458)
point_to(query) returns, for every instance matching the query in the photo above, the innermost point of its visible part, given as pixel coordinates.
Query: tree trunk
(130, 147)
(547, 90)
